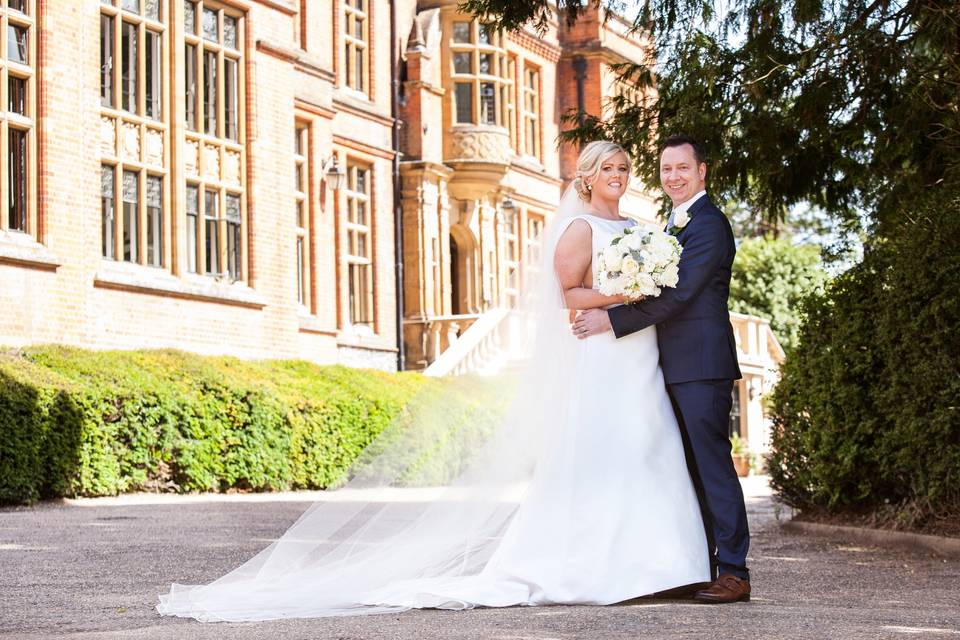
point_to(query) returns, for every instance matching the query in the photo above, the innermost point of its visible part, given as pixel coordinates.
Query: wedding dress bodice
(604, 230)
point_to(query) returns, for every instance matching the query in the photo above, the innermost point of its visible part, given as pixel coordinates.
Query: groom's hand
(591, 322)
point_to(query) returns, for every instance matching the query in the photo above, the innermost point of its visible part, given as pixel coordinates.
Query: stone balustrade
(473, 349)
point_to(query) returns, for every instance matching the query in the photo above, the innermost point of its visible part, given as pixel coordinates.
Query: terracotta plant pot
(741, 462)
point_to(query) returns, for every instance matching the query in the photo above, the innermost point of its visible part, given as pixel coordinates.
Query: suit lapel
(701, 203)
(698, 206)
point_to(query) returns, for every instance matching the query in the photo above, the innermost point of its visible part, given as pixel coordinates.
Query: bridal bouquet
(638, 263)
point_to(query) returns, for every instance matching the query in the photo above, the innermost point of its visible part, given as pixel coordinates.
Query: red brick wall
(65, 306)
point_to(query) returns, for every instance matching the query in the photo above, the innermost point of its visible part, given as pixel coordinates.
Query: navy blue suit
(699, 360)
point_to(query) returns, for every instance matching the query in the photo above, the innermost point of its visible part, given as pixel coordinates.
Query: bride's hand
(627, 300)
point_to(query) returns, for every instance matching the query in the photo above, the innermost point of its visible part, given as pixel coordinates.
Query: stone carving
(130, 138)
(154, 147)
(190, 156)
(484, 145)
(108, 141)
(211, 162)
(231, 167)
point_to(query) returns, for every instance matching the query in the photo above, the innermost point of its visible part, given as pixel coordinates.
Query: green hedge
(867, 414)
(84, 423)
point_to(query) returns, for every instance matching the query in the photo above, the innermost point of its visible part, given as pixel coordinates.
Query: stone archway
(463, 266)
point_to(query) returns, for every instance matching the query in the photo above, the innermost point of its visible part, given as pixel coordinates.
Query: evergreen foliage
(866, 415)
(852, 108)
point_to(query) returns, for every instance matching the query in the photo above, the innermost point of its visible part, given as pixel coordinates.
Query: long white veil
(476, 461)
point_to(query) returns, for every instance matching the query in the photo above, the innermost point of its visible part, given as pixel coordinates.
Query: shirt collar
(689, 203)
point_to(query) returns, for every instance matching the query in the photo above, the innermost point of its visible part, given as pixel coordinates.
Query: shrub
(76, 422)
(39, 432)
(866, 415)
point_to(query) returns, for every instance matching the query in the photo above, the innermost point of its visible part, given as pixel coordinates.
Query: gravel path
(91, 569)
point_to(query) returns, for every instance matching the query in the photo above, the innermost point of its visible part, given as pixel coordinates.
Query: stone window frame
(530, 107)
(134, 141)
(26, 219)
(494, 46)
(300, 19)
(511, 111)
(533, 226)
(511, 256)
(211, 159)
(365, 315)
(352, 12)
(436, 275)
(303, 211)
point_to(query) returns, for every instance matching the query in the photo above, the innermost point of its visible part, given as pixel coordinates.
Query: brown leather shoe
(680, 593)
(726, 588)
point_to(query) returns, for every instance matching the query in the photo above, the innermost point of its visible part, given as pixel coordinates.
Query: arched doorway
(455, 276)
(462, 271)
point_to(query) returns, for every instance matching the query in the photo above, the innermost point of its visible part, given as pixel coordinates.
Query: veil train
(475, 461)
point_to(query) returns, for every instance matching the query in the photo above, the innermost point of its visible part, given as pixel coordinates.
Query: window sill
(22, 250)
(473, 127)
(311, 324)
(347, 99)
(298, 55)
(359, 336)
(531, 163)
(356, 95)
(124, 276)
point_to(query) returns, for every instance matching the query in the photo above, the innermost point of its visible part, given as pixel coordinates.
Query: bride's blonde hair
(588, 164)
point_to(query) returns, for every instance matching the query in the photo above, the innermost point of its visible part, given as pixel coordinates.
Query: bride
(580, 495)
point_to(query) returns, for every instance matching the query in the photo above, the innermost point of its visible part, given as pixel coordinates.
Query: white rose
(608, 287)
(646, 285)
(629, 266)
(669, 244)
(670, 276)
(634, 241)
(661, 247)
(680, 219)
(612, 258)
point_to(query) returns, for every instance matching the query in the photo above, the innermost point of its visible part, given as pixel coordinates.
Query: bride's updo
(588, 164)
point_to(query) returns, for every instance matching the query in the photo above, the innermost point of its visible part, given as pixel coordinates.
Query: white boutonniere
(680, 220)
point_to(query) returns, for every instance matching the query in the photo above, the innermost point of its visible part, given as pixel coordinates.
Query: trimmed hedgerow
(867, 414)
(76, 422)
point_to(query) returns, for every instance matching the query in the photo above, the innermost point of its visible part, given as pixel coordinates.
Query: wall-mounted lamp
(333, 173)
(507, 204)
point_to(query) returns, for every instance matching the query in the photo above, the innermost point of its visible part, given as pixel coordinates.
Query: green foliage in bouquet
(866, 414)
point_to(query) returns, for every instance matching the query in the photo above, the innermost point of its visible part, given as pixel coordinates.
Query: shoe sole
(701, 600)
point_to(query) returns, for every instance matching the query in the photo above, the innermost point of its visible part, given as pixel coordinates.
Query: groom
(698, 356)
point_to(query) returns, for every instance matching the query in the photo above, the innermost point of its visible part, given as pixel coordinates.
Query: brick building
(225, 176)
(171, 170)
(481, 171)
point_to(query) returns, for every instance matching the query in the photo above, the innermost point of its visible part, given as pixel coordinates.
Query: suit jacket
(693, 323)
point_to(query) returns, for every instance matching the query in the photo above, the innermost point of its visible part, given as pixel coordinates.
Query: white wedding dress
(580, 495)
(611, 513)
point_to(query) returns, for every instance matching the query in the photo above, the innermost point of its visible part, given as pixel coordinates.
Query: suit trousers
(703, 411)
